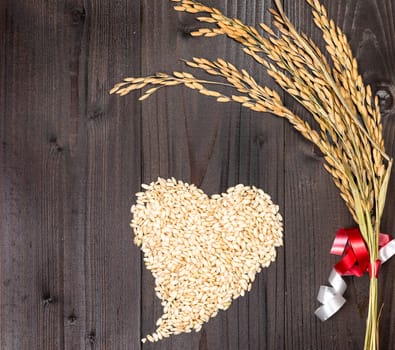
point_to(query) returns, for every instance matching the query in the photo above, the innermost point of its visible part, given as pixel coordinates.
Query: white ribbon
(332, 298)
(387, 251)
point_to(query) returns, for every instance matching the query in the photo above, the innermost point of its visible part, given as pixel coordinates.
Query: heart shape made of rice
(202, 251)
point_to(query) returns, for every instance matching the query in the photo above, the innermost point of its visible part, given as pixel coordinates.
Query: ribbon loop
(356, 255)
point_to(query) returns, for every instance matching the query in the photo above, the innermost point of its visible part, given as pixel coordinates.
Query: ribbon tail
(331, 298)
(387, 251)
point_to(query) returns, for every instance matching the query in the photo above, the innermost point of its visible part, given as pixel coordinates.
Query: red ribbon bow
(355, 261)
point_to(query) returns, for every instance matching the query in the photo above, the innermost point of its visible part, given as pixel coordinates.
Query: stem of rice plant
(372, 326)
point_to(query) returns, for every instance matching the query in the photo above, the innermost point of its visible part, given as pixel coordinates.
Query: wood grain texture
(72, 157)
(65, 241)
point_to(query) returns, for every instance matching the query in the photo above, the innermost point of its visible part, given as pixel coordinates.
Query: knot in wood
(385, 93)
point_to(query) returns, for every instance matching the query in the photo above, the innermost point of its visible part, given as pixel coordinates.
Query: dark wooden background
(72, 157)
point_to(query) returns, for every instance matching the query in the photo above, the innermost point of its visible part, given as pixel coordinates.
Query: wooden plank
(34, 81)
(214, 146)
(74, 222)
(165, 137)
(309, 231)
(69, 273)
(111, 46)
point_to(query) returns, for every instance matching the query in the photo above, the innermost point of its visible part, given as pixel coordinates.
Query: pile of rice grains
(202, 251)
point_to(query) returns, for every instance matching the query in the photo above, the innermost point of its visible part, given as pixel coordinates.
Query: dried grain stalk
(346, 124)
